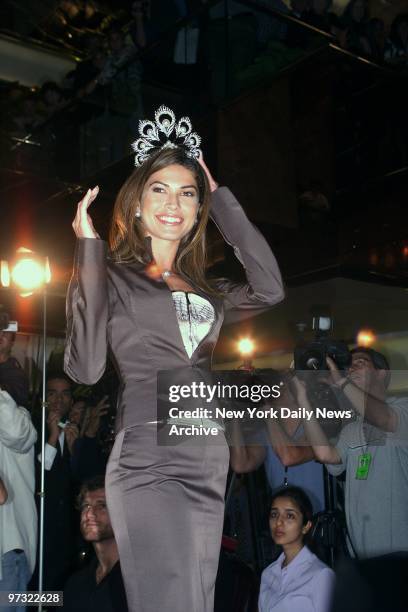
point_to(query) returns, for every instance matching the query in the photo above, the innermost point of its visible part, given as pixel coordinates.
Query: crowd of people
(153, 513)
(356, 30)
(81, 555)
(94, 108)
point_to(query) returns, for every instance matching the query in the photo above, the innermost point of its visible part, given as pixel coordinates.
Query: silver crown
(164, 133)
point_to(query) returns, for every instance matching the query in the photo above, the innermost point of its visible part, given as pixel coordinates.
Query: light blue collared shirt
(304, 585)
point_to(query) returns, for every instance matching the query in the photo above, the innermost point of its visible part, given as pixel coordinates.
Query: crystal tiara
(164, 133)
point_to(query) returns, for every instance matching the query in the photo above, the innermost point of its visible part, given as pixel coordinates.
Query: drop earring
(138, 213)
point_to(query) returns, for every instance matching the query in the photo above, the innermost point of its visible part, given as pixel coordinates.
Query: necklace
(166, 273)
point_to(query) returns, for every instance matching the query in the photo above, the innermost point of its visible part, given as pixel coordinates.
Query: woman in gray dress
(149, 304)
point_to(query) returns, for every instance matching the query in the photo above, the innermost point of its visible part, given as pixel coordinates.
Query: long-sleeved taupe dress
(166, 502)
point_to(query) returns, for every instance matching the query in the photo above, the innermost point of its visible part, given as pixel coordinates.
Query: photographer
(18, 518)
(373, 452)
(12, 377)
(284, 450)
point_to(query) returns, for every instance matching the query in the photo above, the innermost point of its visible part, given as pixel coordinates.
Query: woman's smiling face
(169, 203)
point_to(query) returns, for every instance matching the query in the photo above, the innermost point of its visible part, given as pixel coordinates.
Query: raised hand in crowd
(94, 416)
(71, 435)
(53, 418)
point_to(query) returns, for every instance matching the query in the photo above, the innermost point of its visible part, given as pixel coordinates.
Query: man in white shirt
(18, 516)
(373, 453)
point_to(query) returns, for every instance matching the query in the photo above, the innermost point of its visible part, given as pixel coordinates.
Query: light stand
(42, 470)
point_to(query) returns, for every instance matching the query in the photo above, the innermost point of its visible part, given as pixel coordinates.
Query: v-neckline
(170, 291)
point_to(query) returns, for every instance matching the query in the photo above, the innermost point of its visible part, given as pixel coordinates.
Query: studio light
(365, 337)
(29, 273)
(246, 346)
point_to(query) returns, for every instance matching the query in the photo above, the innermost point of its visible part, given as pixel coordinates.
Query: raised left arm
(264, 287)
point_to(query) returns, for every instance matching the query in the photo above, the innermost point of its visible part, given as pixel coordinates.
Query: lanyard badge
(363, 466)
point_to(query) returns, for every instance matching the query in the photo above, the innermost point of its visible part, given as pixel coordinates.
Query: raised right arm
(87, 313)
(87, 301)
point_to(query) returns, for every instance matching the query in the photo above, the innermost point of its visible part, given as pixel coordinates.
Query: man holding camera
(373, 453)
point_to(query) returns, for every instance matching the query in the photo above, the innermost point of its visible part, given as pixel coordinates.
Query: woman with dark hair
(297, 581)
(150, 303)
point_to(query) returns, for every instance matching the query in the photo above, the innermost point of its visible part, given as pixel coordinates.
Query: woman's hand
(95, 415)
(82, 224)
(212, 182)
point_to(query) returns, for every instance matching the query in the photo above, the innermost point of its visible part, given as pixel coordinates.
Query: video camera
(5, 323)
(312, 355)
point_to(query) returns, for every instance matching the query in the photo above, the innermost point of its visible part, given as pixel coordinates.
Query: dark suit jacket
(117, 306)
(59, 517)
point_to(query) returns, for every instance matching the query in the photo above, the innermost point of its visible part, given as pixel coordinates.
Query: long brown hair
(126, 238)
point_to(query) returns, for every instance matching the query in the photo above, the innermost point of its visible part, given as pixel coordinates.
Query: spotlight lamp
(28, 272)
(246, 346)
(365, 337)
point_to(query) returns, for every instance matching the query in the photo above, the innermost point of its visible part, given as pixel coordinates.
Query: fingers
(88, 198)
(82, 224)
(333, 369)
(104, 401)
(53, 415)
(71, 430)
(212, 182)
(86, 201)
(102, 406)
(299, 384)
(331, 364)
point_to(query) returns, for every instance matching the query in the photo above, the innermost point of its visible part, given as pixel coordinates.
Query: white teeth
(170, 219)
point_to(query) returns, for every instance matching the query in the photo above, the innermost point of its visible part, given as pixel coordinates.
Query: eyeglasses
(98, 507)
